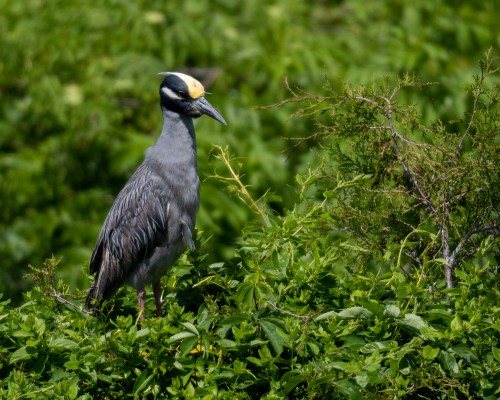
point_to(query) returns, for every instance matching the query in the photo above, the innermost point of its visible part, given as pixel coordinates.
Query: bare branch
(473, 230)
(301, 317)
(61, 300)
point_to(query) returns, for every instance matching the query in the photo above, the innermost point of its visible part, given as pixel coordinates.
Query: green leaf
(392, 311)
(263, 293)
(496, 353)
(349, 389)
(72, 365)
(456, 324)
(370, 347)
(20, 354)
(255, 361)
(142, 381)
(245, 296)
(449, 363)
(142, 332)
(430, 333)
(62, 344)
(187, 345)
(355, 313)
(464, 351)
(418, 324)
(182, 335)
(327, 315)
(190, 327)
(323, 379)
(276, 340)
(291, 379)
(414, 321)
(345, 366)
(430, 352)
(235, 319)
(461, 274)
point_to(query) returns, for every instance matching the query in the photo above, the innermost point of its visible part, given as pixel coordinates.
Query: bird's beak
(203, 106)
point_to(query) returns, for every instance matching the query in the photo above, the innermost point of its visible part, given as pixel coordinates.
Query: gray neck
(177, 142)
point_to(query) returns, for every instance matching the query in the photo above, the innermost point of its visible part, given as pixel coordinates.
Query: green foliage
(79, 104)
(335, 287)
(333, 299)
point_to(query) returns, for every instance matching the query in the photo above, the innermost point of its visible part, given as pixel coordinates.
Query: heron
(152, 220)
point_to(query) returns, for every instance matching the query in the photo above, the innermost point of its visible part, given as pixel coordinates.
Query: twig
(471, 121)
(236, 178)
(61, 300)
(301, 317)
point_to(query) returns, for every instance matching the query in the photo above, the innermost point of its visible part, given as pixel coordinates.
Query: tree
(391, 181)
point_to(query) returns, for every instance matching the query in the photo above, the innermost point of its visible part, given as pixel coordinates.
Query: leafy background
(78, 108)
(79, 100)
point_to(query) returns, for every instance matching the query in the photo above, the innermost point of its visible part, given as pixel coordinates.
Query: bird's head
(183, 94)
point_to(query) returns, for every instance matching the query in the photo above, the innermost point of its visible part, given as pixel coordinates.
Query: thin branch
(469, 126)
(61, 300)
(409, 173)
(413, 256)
(301, 317)
(236, 178)
(472, 230)
(445, 240)
(372, 102)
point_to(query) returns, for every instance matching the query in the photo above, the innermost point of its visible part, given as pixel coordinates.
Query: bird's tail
(92, 302)
(98, 293)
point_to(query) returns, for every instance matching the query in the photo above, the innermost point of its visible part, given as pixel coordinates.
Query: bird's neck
(177, 142)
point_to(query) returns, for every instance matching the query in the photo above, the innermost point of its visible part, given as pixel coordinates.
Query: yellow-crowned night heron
(151, 221)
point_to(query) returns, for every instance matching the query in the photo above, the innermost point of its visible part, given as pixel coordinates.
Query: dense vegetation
(362, 262)
(79, 102)
(349, 294)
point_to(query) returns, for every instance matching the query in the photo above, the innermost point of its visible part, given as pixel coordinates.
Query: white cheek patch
(170, 93)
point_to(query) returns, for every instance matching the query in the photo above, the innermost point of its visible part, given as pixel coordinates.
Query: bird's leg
(157, 294)
(141, 294)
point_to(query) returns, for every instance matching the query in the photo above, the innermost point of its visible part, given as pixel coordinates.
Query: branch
(395, 135)
(301, 317)
(414, 256)
(223, 154)
(445, 240)
(61, 300)
(472, 230)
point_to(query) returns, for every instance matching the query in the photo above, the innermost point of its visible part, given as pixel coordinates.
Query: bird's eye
(182, 95)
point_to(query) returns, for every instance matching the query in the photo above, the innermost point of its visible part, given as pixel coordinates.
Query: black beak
(204, 107)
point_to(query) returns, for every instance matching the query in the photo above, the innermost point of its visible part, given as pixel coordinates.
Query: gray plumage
(152, 219)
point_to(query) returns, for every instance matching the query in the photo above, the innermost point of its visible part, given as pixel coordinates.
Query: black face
(179, 99)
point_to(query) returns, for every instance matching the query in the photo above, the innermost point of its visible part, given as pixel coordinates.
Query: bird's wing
(135, 225)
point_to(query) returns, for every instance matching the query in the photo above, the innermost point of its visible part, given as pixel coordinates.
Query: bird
(152, 219)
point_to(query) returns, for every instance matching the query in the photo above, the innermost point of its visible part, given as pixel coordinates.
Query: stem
(236, 178)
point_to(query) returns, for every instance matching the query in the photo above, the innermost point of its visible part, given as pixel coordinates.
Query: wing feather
(136, 224)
